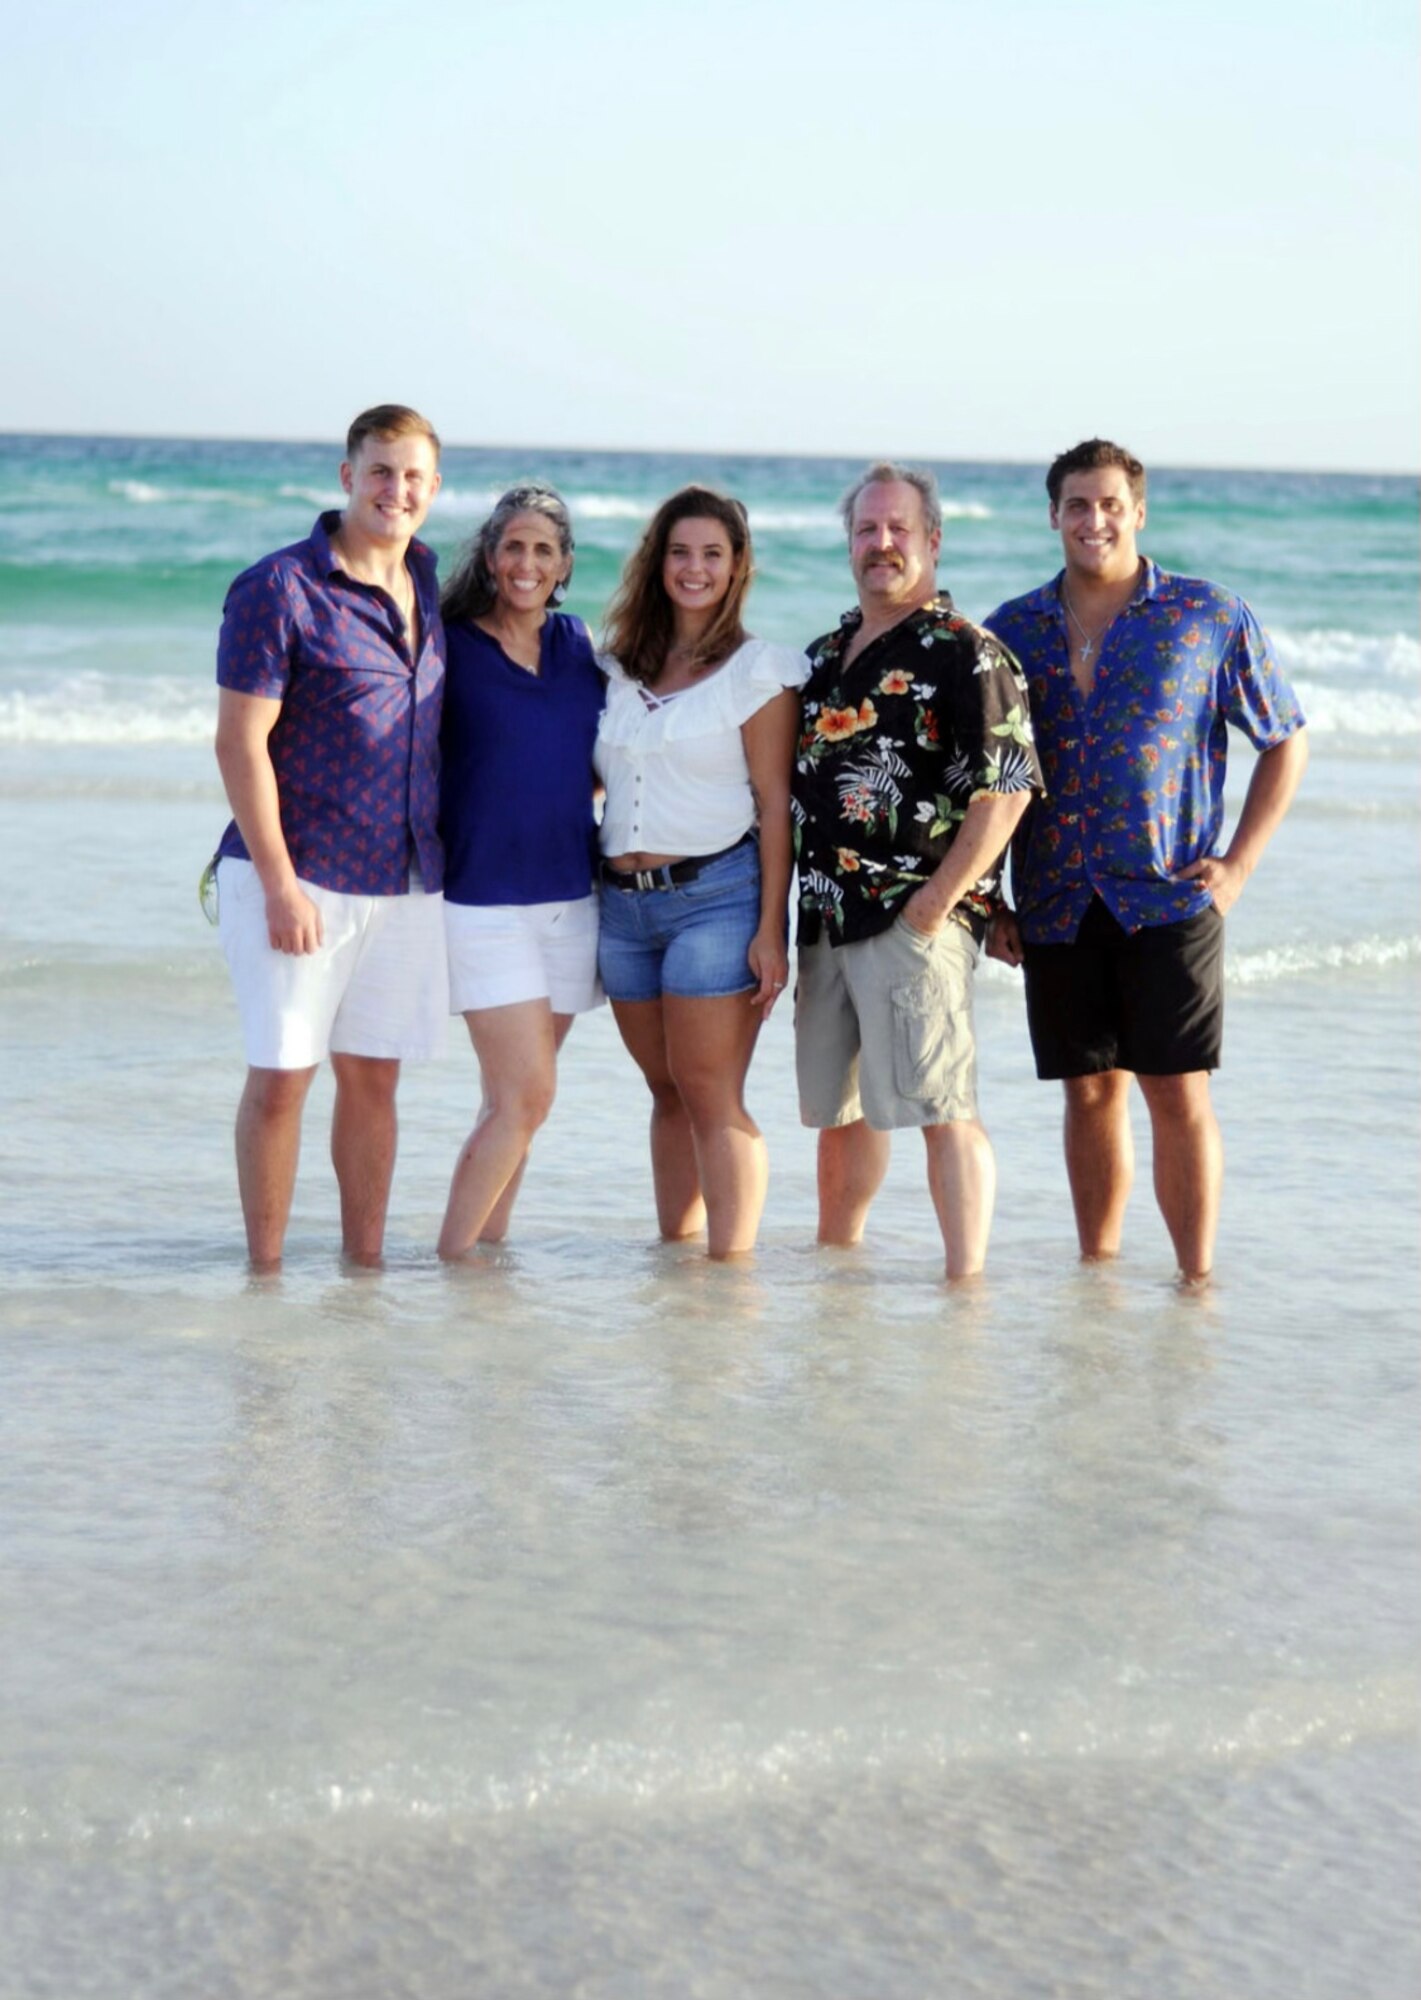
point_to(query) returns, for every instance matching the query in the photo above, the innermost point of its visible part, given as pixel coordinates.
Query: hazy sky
(795, 225)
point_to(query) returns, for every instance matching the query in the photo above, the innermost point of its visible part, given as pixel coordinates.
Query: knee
(274, 1094)
(963, 1140)
(1103, 1093)
(1178, 1100)
(665, 1097)
(708, 1090)
(527, 1105)
(366, 1083)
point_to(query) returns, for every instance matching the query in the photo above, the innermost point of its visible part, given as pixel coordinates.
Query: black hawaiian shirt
(893, 749)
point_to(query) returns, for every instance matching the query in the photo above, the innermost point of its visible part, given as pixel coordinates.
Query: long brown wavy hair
(640, 623)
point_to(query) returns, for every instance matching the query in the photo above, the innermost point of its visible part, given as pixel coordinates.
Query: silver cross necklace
(1089, 640)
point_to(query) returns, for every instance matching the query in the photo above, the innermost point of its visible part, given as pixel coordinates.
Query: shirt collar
(940, 606)
(1047, 602)
(420, 557)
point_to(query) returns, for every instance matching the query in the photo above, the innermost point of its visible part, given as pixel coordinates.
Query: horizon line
(691, 451)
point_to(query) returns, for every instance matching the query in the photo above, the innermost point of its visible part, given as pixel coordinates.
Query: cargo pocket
(932, 1033)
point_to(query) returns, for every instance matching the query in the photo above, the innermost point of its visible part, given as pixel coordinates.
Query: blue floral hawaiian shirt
(1135, 770)
(356, 745)
(892, 751)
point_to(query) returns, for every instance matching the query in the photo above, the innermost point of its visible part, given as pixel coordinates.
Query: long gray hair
(470, 591)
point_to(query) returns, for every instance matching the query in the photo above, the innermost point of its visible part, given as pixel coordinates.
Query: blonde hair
(388, 420)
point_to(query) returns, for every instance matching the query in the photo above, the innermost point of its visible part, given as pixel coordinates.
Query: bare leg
(364, 1134)
(1100, 1158)
(709, 1044)
(962, 1178)
(852, 1162)
(268, 1148)
(680, 1210)
(1189, 1166)
(517, 1050)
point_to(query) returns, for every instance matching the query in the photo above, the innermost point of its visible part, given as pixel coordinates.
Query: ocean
(593, 1621)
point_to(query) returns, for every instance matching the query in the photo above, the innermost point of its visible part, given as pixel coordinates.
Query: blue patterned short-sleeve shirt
(356, 745)
(1135, 770)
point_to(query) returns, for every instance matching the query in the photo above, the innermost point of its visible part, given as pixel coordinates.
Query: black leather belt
(672, 873)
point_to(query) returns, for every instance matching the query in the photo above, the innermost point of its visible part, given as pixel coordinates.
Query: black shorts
(1151, 1001)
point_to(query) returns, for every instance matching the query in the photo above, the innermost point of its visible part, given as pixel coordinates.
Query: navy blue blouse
(516, 786)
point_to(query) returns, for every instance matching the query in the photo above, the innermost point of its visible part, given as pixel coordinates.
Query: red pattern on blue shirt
(356, 745)
(1135, 771)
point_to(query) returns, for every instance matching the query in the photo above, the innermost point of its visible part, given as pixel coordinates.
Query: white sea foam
(628, 507)
(1368, 954)
(1373, 713)
(93, 708)
(136, 490)
(141, 493)
(1336, 653)
(314, 496)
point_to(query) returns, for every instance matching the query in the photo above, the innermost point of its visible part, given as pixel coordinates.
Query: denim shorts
(692, 941)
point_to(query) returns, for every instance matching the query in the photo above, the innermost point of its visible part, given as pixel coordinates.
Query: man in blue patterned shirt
(331, 675)
(1119, 885)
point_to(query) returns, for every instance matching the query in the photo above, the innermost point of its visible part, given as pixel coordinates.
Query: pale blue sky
(796, 225)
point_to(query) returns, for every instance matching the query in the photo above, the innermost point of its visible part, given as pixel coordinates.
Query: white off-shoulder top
(674, 765)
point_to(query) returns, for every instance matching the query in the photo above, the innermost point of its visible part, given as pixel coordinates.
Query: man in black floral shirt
(915, 763)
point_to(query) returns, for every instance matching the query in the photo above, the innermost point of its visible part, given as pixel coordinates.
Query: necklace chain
(1091, 639)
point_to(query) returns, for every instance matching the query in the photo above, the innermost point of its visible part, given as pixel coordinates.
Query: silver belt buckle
(645, 878)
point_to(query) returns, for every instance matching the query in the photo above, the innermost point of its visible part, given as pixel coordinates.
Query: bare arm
(1276, 777)
(244, 724)
(988, 825)
(769, 739)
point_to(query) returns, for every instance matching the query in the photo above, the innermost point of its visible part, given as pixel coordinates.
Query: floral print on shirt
(893, 749)
(1135, 770)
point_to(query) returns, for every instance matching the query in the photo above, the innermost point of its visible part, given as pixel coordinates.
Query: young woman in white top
(694, 749)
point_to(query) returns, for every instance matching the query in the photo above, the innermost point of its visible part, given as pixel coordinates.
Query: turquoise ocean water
(593, 1621)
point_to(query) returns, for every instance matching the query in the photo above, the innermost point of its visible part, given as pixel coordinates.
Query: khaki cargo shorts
(883, 1029)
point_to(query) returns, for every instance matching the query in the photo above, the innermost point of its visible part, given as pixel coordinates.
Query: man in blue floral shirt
(915, 762)
(1119, 886)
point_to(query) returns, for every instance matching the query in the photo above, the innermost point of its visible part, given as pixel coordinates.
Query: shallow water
(594, 1621)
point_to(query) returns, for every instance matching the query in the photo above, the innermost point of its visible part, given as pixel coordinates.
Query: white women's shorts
(506, 952)
(378, 986)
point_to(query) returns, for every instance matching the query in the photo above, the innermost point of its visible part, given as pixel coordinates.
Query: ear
(935, 542)
(1139, 515)
(347, 477)
(1055, 515)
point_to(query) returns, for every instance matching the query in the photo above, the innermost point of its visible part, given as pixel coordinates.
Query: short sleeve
(254, 648)
(761, 671)
(994, 722)
(1254, 695)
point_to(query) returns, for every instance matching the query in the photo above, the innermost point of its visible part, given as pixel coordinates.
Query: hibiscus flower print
(895, 681)
(834, 724)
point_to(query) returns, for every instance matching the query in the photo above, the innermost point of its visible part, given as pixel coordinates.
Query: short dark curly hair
(1090, 457)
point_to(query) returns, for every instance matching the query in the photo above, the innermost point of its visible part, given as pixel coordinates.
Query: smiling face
(390, 483)
(893, 556)
(528, 564)
(1098, 518)
(699, 565)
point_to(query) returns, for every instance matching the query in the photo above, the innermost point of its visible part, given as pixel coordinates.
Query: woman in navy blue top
(521, 700)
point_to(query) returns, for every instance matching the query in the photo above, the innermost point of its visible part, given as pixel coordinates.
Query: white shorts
(379, 985)
(506, 952)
